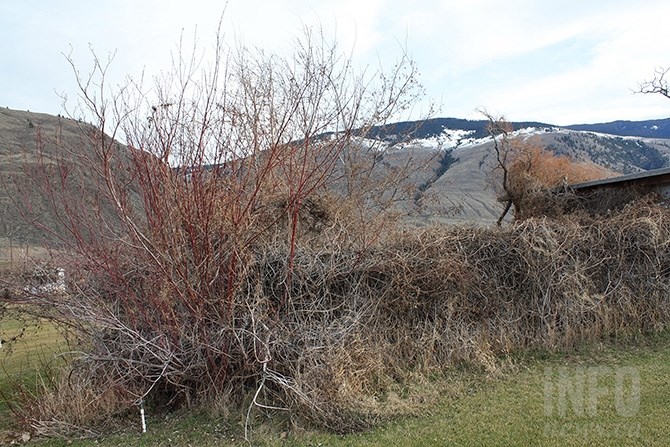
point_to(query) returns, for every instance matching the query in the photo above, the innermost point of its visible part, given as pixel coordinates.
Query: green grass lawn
(37, 344)
(541, 404)
(28, 346)
(601, 394)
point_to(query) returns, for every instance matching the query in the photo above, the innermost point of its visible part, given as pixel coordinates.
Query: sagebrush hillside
(39, 151)
(461, 185)
(453, 181)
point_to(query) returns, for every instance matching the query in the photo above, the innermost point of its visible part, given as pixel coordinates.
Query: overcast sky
(561, 62)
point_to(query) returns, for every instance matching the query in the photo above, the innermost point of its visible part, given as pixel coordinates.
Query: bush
(230, 167)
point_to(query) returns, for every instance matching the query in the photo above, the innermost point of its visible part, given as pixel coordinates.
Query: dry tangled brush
(325, 336)
(541, 201)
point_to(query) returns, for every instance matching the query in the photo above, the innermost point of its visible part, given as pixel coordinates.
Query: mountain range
(659, 128)
(459, 186)
(455, 184)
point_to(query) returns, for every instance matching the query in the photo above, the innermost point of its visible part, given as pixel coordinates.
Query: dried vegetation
(329, 336)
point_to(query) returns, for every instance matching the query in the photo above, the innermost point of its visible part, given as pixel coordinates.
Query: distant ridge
(659, 128)
(645, 129)
(435, 126)
(454, 184)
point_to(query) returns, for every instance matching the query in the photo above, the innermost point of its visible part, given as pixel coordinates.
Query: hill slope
(456, 185)
(465, 192)
(35, 149)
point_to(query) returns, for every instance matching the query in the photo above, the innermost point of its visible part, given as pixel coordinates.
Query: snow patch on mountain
(461, 139)
(448, 139)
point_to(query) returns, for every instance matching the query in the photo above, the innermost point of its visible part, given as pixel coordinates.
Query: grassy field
(602, 394)
(36, 345)
(27, 347)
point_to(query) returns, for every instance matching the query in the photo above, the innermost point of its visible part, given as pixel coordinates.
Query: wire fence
(16, 254)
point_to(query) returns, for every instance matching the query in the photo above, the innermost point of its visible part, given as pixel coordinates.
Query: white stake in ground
(144, 421)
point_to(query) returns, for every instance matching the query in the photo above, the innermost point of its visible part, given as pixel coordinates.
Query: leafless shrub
(166, 297)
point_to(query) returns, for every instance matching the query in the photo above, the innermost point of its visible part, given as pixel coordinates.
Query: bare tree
(527, 175)
(658, 84)
(499, 129)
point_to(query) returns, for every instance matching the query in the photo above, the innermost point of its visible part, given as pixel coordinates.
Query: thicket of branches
(349, 327)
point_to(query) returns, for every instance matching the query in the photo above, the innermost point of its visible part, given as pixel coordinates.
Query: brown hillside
(462, 193)
(37, 152)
